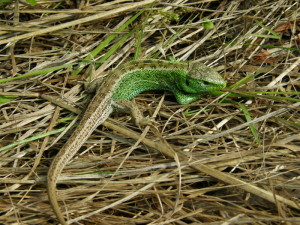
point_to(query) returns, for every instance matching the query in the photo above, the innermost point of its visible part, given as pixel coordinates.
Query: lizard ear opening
(206, 83)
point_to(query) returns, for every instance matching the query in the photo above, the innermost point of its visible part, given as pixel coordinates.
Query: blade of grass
(273, 46)
(248, 119)
(259, 94)
(294, 124)
(248, 78)
(96, 16)
(38, 72)
(4, 99)
(140, 36)
(114, 48)
(63, 120)
(273, 35)
(273, 93)
(243, 81)
(32, 138)
(170, 40)
(108, 40)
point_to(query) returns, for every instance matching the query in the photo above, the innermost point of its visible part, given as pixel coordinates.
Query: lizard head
(200, 79)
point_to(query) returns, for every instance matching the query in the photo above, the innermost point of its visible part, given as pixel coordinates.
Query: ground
(230, 157)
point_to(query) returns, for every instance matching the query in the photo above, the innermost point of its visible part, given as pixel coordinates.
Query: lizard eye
(206, 83)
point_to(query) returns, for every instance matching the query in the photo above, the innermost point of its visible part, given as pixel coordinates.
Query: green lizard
(187, 81)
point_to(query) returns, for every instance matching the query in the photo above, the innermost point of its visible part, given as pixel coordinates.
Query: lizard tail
(87, 125)
(51, 187)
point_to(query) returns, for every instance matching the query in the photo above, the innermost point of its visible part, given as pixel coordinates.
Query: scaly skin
(187, 81)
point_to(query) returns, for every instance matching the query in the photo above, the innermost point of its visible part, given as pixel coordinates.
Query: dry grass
(231, 159)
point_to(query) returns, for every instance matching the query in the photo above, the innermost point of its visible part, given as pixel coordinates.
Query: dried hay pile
(230, 158)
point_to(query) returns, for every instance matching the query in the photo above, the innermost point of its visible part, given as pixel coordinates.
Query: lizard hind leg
(130, 107)
(91, 87)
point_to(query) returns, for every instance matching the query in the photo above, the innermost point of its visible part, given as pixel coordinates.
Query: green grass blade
(274, 34)
(108, 40)
(114, 48)
(140, 37)
(294, 124)
(248, 119)
(4, 99)
(273, 46)
(31, 2)
(248, 78)
(32, 138)
(38, 72)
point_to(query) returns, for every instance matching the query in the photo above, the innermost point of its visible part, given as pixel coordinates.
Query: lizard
(188, 81)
